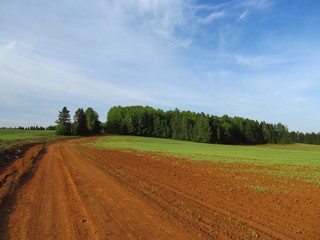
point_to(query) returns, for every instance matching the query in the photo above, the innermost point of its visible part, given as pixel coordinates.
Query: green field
(13, 142)
(296, 161)
(294, 154)
(13, 134)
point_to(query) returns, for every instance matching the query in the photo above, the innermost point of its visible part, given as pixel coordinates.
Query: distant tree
(64, 122)
(51, 127)
(186, 127)
(161, 126)
(282, 133)
(202, 131)
(248, 132)
(114, 119)
(175, 124)
(226, 136)
(79, 126)
(93, 123)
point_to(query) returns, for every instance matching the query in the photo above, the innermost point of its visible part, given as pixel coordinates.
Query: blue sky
(257, 59)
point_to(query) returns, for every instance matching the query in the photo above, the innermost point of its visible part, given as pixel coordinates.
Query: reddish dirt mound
(83, 193)
(10, 176)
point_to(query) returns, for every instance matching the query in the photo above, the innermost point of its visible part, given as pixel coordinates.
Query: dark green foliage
(85, 123)
(190, 126)
(51, 127)
(93, 123)
(79, 126)
(308, 138)
(64, 122)
(202, 129)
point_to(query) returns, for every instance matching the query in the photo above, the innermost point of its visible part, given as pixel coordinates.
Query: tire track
(206, 218)
(69, 197)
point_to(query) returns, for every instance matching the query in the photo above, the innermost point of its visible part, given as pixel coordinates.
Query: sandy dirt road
(70, 197)
(78, 192)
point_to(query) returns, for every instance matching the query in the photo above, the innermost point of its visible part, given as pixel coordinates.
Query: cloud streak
(212, 17)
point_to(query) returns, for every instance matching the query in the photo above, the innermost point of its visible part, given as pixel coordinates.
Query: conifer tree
(79, 126)
(64, 122)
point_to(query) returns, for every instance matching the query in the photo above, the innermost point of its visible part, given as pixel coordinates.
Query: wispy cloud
(254, 4)
(212, 17)
(7, 47)
(256, 61)
(185, 43)
(161, 17)
(243, 15)
(209, 6)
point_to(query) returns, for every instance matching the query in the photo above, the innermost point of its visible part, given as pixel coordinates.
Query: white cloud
(29, 75)
(254, 4)
(243, 15)
(8, 47)
(162, 17)
(209, 7)
(258, 61)
(212, 17)
(185, 43)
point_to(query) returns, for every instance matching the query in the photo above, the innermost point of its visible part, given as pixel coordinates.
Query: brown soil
(12, 172)
(78, 192)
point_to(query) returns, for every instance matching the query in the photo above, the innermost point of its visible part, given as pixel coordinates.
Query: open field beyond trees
(14, 142)
(14, 134)
(121, 187)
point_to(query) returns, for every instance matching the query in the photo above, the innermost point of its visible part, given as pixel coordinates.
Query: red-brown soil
(77, 192)
(12, 172)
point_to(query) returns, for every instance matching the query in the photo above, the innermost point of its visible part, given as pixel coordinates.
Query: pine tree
(79, 127)
(64, 122)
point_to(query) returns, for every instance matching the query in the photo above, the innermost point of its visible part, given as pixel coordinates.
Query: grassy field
(295, 161)
(293, 154)
(13, 134)
(14, 142)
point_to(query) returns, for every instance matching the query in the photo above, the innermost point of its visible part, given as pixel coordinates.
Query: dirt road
(83, 193)
(70, 197)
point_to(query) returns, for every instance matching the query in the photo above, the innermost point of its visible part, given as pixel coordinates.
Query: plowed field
(78, 192)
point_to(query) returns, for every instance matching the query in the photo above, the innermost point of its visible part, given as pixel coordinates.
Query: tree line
(176, 124)
(199, 127)
(84, 122)
(26, 128)
(307, 138)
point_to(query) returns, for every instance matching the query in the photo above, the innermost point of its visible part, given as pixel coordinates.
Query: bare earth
(78, 192)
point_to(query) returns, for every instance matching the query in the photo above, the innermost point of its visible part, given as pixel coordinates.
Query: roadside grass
(293, 161)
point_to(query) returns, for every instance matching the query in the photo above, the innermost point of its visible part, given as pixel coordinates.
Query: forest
(200, 127)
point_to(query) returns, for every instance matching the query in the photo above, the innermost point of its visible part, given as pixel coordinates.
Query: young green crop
(12, 134)
(294, 161)
(293, 154)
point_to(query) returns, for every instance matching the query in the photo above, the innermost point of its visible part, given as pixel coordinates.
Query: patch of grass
(306, 174)
(259, 188)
